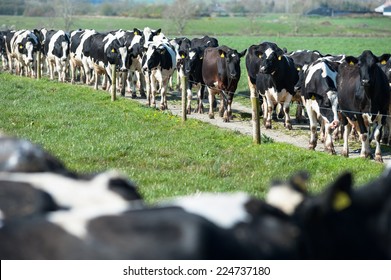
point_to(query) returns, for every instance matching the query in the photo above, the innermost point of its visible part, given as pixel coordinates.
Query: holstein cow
(3, 51)
(22, 46)
(385, 65)
(102, 51)
(77, 59)
(221, 74)
(342, 222)
(276, 81)
(364, 99)
(158, 65)
(56, 51)
(318, 87)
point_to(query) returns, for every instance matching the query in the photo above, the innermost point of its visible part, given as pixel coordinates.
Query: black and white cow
(364, 99)
(3, 50)
(318, 86)
(103, 50)
(77, 60)
(385, 65)
(181, 45)
(158, 64)
(221, 73)
(56, 51)
(275, 81)
(22, 46)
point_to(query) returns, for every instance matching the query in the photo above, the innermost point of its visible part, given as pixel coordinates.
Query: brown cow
(221, 74)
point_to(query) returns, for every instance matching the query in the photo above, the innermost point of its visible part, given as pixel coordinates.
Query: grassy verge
(164, 156)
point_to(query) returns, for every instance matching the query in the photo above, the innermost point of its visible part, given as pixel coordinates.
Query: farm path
(298, 136)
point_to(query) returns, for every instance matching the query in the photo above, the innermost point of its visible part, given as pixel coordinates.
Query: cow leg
(346, 133)
(377, 137)
(228, 111)
(163, 92)
(189, 97)
(287, 103)
(364, 137)
(329, 145)
(313, 125)
(148, 88)
(211, 101)
(200, 96)
(223, 104)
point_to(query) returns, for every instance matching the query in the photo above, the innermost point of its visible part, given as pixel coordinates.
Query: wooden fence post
(39, 74)
(183, 85)
(113, 82)
(256, 122)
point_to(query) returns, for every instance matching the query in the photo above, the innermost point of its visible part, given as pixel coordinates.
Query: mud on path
(298, 136)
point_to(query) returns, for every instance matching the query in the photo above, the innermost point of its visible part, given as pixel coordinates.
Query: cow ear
(243, 53)
(384, 58)
(222, 53)
(351, 60)
(158, 31)
(339, 193)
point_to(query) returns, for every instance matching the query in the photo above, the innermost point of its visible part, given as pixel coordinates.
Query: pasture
(164, 156)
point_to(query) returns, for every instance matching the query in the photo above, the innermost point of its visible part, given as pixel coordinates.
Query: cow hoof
(311, 146)
(268, 125)
(288, 126)
(378, 158)
(163, 107)
(134, 96)
(211, 116)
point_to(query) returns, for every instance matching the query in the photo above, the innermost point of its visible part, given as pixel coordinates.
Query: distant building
(384, 9)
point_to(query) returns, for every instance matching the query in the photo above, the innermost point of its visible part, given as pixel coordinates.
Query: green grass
(163, 155)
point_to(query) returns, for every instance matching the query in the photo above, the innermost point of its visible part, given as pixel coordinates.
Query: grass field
(164, 156)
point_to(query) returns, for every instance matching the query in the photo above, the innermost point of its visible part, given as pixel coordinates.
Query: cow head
(366, 63)
(232, 60)
(270, 55)
(385, 65)
(116, 53)
(28, 47)
(147, 36)
(192, 59)
(152, 57)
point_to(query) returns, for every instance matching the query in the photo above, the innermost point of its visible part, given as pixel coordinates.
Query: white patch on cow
(192, 54)
(268, 52)
(69, 192)
(233, 55)
(109, 38)
(1, 219)
(333, 97)
(284, 198)
(75, 221)
(136, 40)
(225, 210)
(326, 72)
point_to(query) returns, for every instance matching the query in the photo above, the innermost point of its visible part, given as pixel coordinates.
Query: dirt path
(299, 139)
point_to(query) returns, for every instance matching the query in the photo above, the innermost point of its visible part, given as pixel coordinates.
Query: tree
(180, 12)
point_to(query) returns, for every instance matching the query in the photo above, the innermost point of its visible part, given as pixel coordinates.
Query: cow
(193, 59)
(22, 46)
(275, 81)
(77, 59)
(158, 64)
(102, 50)
(364, 98)
(131, 40)
(3, 50)
(318, 87)
(180, 45)
(348, 223)
(56, 51)
(385, 65)
(221, 73)
(341, 222)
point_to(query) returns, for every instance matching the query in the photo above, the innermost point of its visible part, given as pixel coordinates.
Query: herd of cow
(340, 92)
(50, 212)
